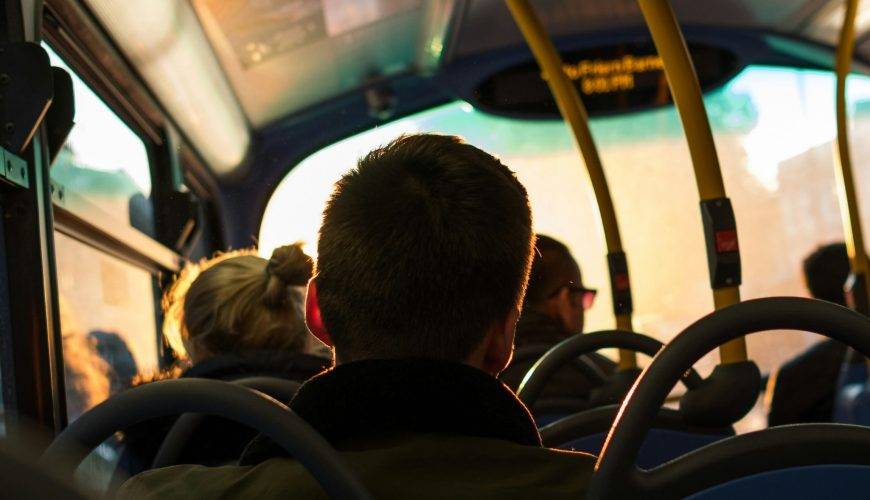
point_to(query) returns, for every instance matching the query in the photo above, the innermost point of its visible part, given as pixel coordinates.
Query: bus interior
(142, 135)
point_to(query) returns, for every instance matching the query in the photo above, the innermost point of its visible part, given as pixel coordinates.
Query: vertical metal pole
(683, 82)
(849, 211)
(574, 113)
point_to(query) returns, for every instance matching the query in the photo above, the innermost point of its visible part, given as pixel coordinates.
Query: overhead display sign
(602, 76)
(613, 79)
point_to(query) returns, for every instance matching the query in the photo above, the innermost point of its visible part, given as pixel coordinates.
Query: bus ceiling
(228, 69)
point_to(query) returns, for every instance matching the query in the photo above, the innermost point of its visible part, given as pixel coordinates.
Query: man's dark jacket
(416, 428)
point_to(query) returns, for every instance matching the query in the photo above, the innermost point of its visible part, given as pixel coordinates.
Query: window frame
(35, 390)
(92, 229)
(75, 35)
(124, 242)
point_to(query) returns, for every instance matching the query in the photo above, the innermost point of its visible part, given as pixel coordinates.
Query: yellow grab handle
(683, 82)
(574, 113)
(849, 211)
(627, 358)
(572, 110)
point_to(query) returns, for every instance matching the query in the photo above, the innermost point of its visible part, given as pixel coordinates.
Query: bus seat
(670, 438)
(660, 445)
(812, 481)
(852, 405)
(235, 402)
(852, 401)
(549, 410)
(853, 371)
(184, 429)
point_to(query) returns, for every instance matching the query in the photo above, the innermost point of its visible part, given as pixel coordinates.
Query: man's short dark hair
(826, 271)
(552, 266)
(425, 245)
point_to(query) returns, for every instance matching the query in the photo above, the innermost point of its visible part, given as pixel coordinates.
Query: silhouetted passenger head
(115, 352)
(86, 375)
(239, 302)
(556, 285)
(826, 271)
(424, 252)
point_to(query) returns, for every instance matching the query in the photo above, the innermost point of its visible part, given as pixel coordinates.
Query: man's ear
(312, 314)
(500, 344)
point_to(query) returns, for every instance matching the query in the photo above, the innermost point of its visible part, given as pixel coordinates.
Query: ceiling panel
(282, 56)
(267, 59)
(487, 24)
(165, 42)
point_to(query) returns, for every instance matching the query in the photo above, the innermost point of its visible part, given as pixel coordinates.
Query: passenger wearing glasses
(554, 309)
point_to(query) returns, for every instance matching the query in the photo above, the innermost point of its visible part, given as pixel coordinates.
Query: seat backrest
(172, 397)
(853, 370)
(660, 445)
(852, 399)
(184, 429)
(670, 438)
(814, 481)
(852, 404)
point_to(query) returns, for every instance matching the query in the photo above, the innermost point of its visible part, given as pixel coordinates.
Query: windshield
(774, 129)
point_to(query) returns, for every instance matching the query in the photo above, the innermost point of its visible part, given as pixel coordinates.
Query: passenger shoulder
(195, 481)
(391, 467)
(478, 467)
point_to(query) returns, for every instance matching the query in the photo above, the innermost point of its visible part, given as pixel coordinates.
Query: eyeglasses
(587, 295)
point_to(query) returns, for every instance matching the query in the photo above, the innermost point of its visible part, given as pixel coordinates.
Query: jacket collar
(377, 397)
(291, 365)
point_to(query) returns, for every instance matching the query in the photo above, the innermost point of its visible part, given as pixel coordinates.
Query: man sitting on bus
(554, 309)
(804, 388)
(424, 254)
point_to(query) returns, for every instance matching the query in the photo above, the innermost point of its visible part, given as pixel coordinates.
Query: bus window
(774, 128)
(108, 323)
(103, 165)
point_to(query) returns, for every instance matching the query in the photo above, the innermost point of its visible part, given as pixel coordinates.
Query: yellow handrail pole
(849, 212)
(683, 82)
(574, 113)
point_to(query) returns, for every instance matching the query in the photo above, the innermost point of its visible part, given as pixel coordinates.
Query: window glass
(774, 130)
(103, 164)
(108, 323)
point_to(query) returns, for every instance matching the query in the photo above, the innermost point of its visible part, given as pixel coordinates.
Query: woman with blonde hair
(238, 309)
(234, 316)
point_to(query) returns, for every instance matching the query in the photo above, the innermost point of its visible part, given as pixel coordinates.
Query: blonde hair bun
(238, 301)
(291, 265)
